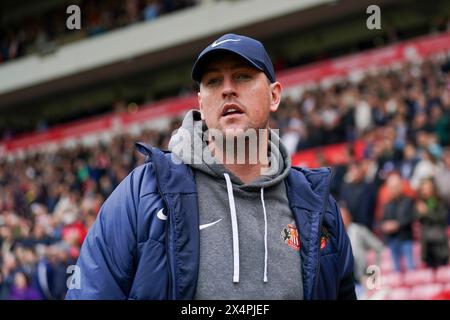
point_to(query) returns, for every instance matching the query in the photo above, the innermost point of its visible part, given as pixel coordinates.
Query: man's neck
(246, 172)
(249, 170)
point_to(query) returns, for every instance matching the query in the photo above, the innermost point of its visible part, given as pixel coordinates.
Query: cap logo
(215, 43)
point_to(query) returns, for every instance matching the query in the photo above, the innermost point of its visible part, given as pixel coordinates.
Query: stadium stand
(40, 33)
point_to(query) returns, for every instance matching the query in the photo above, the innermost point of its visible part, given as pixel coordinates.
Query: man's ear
(199, 99)
(275, 96)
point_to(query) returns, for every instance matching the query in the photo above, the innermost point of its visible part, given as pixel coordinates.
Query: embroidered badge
(289, 234)
(324, 237)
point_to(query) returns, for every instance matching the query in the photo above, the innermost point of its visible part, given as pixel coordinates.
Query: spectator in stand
(315, 135)
(443, 178)
(384, 196)
(425, 168)
(359, 195)
(407, 165)
(440, 121)
(432, 214)
(295, 132)
(401, 131)
(8, 269)
(152, 9)
(434, 147)
(362, 240)
(43, 31)
(386, 153)
(7, 239)
(331, 118)
(420, 126)
(64, 258)
(363, 114)
(397, 224)
(53, 270)
(346, 112)
(22, 290)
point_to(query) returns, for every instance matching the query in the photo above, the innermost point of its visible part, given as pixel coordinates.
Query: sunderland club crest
(289, 234)
(324, 237)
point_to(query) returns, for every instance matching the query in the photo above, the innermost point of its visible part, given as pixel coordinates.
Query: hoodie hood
(189, 143)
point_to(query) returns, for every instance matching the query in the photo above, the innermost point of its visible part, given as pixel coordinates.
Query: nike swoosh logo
(161, 215)
(203, 226)
(215, 43)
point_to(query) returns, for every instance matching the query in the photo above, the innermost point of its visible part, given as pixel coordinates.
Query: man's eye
(243, 77)
(212, 81)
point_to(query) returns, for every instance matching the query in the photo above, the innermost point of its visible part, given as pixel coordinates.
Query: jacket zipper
(325, 206)
(167, 235)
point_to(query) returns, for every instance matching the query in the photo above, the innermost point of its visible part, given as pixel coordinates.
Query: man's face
(447, 159)
(235, 95)
(394, 183)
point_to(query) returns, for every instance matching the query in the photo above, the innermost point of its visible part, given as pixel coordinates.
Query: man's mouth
(231, 109)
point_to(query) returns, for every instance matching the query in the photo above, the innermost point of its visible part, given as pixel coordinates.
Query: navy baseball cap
(249, 49)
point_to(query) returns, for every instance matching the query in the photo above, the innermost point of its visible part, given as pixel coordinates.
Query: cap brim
(197, 69)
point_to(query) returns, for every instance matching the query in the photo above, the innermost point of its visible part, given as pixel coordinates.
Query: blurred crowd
(397, 194)
(47, 204)
(42, 32)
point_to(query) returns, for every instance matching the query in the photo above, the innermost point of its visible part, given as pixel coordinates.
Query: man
(443, 177)
(362, 240)
(210, 221)
(397, 221)
(359, 195)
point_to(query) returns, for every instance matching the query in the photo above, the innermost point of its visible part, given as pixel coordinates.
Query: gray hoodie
(249, 247)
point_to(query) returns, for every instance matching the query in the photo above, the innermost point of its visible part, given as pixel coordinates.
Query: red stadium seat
(399, 294)
(443, 274)
(426, 291)
(387, 266)
(443, 295)
(386, 254)
(392, 280)
(417, 277)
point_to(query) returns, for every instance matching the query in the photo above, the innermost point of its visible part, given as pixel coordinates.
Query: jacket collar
(173, 176)
(307, 187)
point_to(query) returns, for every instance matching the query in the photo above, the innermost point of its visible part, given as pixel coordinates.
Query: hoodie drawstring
(234, 226)
(265, 235)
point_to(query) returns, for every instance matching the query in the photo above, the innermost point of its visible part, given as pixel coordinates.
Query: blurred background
(372, 104)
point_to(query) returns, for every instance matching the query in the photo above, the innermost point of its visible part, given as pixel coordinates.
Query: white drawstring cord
(234, 227)
(265, 235)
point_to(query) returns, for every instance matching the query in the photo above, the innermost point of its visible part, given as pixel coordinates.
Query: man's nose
(229, 88)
